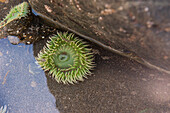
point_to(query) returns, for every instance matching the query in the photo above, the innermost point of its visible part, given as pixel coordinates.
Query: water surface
(23, 86)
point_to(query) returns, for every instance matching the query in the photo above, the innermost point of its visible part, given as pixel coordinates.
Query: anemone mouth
(64, 59)
(67, 58)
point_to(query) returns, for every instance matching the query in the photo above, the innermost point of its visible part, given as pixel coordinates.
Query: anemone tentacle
(67, 58)
(17, 12)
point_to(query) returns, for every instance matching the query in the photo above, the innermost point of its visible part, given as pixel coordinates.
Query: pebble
(13, 40)
(146, 9)
(105, 57)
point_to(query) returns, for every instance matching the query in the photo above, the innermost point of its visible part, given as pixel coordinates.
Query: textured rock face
(132, 29)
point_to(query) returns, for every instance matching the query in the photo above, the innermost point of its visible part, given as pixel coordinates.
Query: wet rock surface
(138, 29)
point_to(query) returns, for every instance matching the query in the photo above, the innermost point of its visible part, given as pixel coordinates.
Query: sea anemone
(67, 58)
(17, 12)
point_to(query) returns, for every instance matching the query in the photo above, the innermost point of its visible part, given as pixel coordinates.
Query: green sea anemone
(67, 58)
(17, 12)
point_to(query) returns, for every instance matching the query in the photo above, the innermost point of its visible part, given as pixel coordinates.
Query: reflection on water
(23, 86)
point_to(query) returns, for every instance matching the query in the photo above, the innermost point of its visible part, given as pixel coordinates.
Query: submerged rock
(13, 40)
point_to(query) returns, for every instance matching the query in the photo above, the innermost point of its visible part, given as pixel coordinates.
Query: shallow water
(23, 85)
